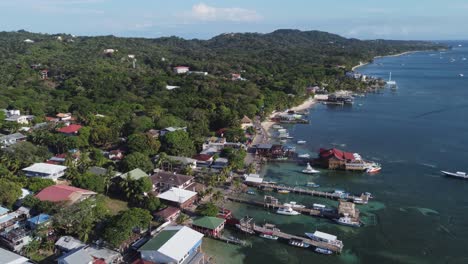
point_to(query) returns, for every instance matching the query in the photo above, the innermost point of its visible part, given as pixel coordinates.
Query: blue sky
(365, 19)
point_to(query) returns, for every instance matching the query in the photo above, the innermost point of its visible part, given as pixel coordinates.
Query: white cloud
(203, 12)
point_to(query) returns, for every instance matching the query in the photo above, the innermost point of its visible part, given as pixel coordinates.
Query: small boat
(277, 127)
(289, 137)
(461, 75)
(301, 142)
(463, 59)
(282, 191)
(282, 130)
(323, 251)
(298, 243)
(304, 156)
(251, 192)
(319, 206)
(374, 168)
(287, 211)
(269, 236)
(312, 184)
(295, 205)
(309, 170)
(347, 221)
(390, 82)
(358, 201)
(458, 174)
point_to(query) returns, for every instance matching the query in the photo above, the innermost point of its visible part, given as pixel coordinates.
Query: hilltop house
(45, 170)
(70, 130)
(181, 69)
(174, 244)
(64, 193)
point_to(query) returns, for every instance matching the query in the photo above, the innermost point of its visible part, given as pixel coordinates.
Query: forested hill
(84, 80)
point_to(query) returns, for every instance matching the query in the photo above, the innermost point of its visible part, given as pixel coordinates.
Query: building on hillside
(154, 133)
(198, 73)
(45, 171)
(181, 69)
(91, 255)
(164, 180)
(20, 119)
(334, 159)
(64, 116)
(169, 213)
(246, 122)
(166, 130)
(8, 257)
(184, 161)
(174, 244)
(115, 154)
(28, 41)
(8, 140)
(38, 221)
(209, 225)
(70, 130)
(44, 74)
(203, 160)
(66, 244)
(172, 87)
(134, 174)
(178, 197)
(64, 193)
(237, 77)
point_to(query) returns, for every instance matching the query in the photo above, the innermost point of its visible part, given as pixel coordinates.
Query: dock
(247, 225)
(231, 240)
(330, 195)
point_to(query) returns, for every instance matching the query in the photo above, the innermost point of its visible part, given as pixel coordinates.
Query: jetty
(231, 240)
(363, 199)
(248, 226)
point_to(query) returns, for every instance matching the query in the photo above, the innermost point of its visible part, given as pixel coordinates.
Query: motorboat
(458, 174)
(269, 236)
(287, 211)
(298, 243)
(301, 142)
(304, 156)
(323, 251)
(296, 205)
(312, 184)
(374, 168)
(282, 191)
(309, 170)
(347, 221)
(251, 192)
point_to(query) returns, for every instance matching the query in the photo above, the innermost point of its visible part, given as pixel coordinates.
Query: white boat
(463, 59)
(323, 251)
(309, 170)
(301, 142)
(312, 184)
(282, 191)
(295, 205)
(304, 156)
(298, 243)
(282, 130)
(390, 82)
(347, 221)
(277, 127)
(287, 211)
(458, 174)
(269, 236)
(461, 75)
(358, 201)
(373, 168)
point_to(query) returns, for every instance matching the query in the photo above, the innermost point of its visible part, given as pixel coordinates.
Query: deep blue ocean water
(418, 215)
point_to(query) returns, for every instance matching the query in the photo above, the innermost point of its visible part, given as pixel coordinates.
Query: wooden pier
(247, 225)
(231, 240)
(334, 196)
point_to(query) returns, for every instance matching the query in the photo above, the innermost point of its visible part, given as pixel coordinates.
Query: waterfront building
(209, 225)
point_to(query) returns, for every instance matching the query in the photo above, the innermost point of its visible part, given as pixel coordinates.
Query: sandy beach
(267, 124)
(376, 57)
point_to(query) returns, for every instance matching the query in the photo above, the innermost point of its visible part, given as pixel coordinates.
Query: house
(45, 170)
(20, 119)
(246, 122)
(109, 51)
(321, 97)
(171, 129)
(11, 139)
(44, 74)
(90, 255)
(220, 163)
(209, 225)
(15, 239)
(38, 220)
(9, 257)
(253, 179)
(203, 160)
(178, 197)
(163, 181)
(336, 159)
(64, 193)
(115, 154)
(172, 87)
(167, 214)
(66, 244)
(135, 174)
(70, 130)
(184, 161)
(174, 244)
(64, 116)
(99, 171)
(237, 77)
(181, 69)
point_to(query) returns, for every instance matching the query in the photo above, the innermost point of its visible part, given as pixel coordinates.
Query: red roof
(328, 153)
(202, 157)
(181, 67)
(70, 129)
(59, 193)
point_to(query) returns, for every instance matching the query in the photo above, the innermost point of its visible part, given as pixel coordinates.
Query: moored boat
(373, 168)
(304, 156)
(282, 191)
(458, 174)
(298, 243)
(287, 211)
(269, 236)
(251, 192)
(347, 221)
(301, 142)
(312, 184)
(296, 205)
(323, 251)
(310, 170)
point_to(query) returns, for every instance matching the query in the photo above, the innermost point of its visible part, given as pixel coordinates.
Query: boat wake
(440, 111)
(428, 165)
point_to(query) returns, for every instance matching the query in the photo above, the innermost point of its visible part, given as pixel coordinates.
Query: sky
(363, 19)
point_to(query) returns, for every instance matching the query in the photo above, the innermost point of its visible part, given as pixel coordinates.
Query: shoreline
(384, 56)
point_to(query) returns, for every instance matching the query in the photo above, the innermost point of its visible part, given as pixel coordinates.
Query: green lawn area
(115, 205)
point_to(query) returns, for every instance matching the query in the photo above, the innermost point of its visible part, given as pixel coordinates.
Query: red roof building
(70, 130)
(64, 193)
(337, 159)
(341, 155)
(167, 214)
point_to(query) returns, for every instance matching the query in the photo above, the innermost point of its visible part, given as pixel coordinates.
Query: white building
(181, 69)
(28, 41)
(178, 197)
(253, 179)
(45, 170)
(174, 244)
(11, 139)
(8, 257)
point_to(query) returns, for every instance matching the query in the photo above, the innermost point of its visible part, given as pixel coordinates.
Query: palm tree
(110, 173)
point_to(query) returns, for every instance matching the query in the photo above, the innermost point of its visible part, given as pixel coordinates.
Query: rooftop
(9, 257)
(170, 178)
(59, 193)
(208, 222)
(177, 195)
(45, 168)
(3, 210)
(73, 128)
(134, 174)
(39, 219)
(69, 243)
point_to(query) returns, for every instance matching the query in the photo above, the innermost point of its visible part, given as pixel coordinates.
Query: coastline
(376, 57)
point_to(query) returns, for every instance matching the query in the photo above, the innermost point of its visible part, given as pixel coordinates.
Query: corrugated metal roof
(177, 195)
(8, 257)
(208, 222)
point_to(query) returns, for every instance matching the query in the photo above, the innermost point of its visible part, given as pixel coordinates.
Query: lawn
(115, 205)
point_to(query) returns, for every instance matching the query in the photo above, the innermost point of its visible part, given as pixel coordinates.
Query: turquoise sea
(418, 215)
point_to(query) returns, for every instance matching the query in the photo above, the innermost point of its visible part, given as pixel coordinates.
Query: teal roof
(135, 174)
(3, 210)
(159, 240)
(208, 222)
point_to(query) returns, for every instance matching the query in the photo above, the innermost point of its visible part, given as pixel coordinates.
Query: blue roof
(3, 210)
(39, 219)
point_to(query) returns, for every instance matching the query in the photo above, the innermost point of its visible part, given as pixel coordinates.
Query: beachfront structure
(45, 171)
(178, 197)
(164, 180)
(253, 179)
(209, 225)
(335, 159)
(9, 257)
(174, 244)
(65, 194)
(181, 69)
